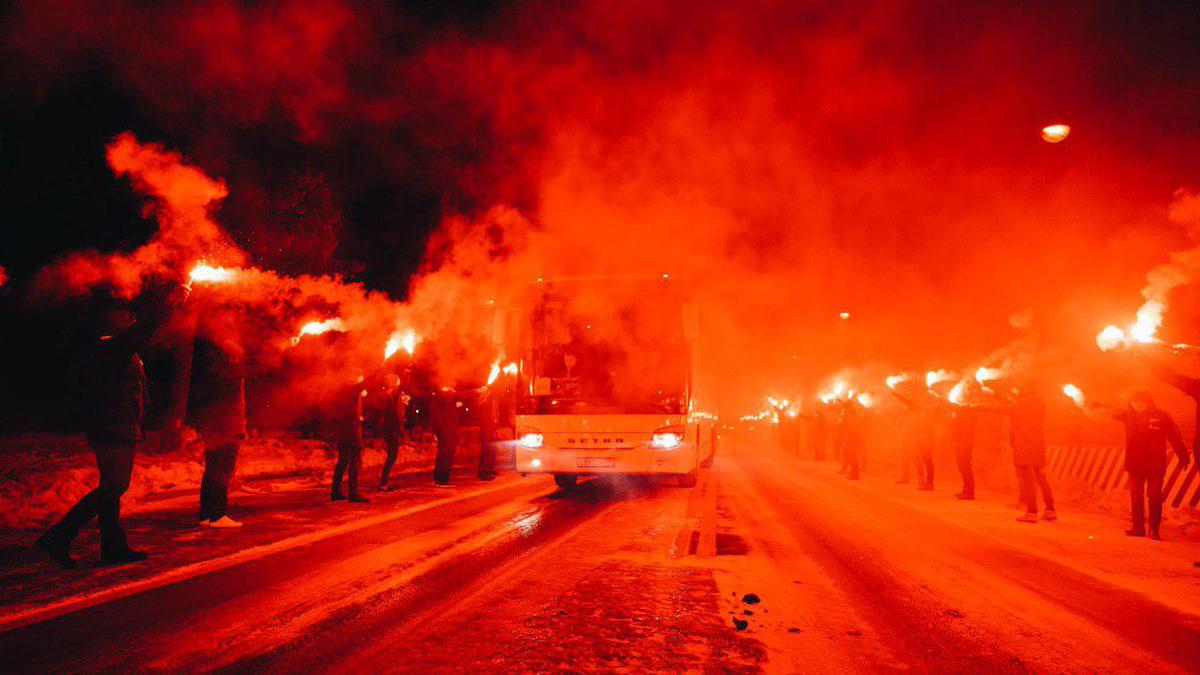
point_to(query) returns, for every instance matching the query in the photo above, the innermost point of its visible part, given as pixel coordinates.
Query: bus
(606, 381)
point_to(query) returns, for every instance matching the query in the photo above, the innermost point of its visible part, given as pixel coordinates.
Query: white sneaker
(224, 522)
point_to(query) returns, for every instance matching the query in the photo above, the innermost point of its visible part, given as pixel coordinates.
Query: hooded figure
(1148, 430)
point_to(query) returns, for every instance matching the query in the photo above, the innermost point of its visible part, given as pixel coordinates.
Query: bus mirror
(499, 324)
(691, 322)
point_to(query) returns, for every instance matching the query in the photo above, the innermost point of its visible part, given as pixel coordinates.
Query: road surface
(613, 575)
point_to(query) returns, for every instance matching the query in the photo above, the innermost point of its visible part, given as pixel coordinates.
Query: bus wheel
(565, 480)
(688, 479)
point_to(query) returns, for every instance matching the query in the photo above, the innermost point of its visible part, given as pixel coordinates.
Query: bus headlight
(531, 440)
(667, 438)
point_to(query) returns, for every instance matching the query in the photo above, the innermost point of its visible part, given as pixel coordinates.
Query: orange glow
(510, 369)
(494, 374)
(406, 341)
(212, 275)
(934, 377)
(1149, 318)
(957, 393)
(985, 374)
(1074, 393)
(866, 400)
(1055, 133)
(320, 328)
(1110, 338)
(894, 381)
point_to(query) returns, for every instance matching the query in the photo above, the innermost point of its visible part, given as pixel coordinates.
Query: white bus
(606, 381)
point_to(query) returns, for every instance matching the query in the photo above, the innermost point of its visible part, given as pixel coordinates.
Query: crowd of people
(926, 414)
(116, 411)
(216, 409)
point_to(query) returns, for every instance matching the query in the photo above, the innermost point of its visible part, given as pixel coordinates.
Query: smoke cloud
(786, 162)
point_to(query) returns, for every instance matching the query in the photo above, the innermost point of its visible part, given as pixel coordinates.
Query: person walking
(1148, 431)
(217, 407)
(348, 423)
(115, 425)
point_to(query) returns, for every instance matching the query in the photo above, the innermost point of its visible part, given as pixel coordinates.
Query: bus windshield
(613, 348)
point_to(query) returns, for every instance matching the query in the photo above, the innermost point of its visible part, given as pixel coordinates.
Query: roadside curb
(73, 604)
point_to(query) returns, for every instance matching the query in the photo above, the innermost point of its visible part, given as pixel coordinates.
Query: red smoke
(790, 161)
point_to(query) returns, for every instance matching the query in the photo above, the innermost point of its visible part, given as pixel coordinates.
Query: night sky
(357, 195)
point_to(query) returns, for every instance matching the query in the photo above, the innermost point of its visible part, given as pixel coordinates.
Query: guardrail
(1103, 468)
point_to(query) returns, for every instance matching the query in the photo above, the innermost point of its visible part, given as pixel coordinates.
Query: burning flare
(406, 341)
(212, 275)
(894, 381)
(320, 328)
(1110, 338)
(957, 394)
(1056, 133)
(866, 400)
(937, 376)
(985, 374)
(510, 369)
(1074, 393)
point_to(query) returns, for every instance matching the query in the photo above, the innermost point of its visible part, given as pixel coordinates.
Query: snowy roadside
(279, 516)
(41, 476)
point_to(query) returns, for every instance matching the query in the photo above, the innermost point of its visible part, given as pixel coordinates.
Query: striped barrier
(1103, 468)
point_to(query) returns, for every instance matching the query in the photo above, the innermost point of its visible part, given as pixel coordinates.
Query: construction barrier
(1103, 468)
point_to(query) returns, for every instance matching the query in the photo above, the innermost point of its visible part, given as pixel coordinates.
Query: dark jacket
(118, 391)
(1027, 430)
(348, 415)
(1189, 386)
(443, 414)
(1146, 436)
(217, 399)
(395, 412)
(963, 420)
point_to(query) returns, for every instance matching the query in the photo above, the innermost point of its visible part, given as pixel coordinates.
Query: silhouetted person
(1027, 435)
(1188, 385)
(488, 420)
(115, 424)
(395, 416)
(1148, 430)
(348, 421)
(963, 421)
(818, 432)
(853, 437)
(789, 430)
(217, 411)
(443, 413)
(924, 421)
(921, 436)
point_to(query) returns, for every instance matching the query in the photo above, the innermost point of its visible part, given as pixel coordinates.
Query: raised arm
(131, 340)
(1188, 385)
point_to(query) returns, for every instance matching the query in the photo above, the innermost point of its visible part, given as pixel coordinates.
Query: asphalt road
(812, 573)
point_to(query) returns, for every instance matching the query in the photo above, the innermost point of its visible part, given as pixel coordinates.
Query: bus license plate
(596, 462)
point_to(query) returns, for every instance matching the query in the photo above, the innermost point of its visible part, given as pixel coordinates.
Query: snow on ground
(41, 476)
